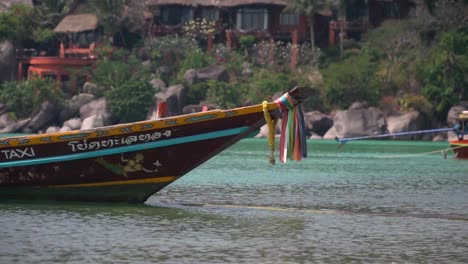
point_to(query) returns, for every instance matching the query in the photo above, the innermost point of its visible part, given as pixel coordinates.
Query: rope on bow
(271, 131)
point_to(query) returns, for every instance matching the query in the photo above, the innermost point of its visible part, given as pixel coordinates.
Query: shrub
(24, 97)
(226, 95)
(445, 73)
(352, 80)
(246, 42)
(415, 102)
(131, 99)
(129, 94)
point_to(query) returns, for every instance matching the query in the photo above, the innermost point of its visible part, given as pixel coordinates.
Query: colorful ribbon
(293, 145)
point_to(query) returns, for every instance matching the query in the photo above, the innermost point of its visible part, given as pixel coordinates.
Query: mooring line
(442, 151)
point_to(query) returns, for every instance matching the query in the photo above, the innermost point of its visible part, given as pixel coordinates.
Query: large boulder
(92, 121)
(97, 107)
(47, 113)
(72, 106)
(317, 123)
(359, 122)
(94, 89)
(158, 84)
(452, 118)
(213, 72)
(190, 76)
(407, 122)
(454, 112)
(175, 99)
(16, 127)
(72, 124)
(8, 62)
(6, 120)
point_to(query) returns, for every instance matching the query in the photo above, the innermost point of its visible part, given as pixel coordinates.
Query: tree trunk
(312, 39)
(341, 38)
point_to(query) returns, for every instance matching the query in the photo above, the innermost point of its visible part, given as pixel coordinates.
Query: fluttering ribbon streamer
(293, 145)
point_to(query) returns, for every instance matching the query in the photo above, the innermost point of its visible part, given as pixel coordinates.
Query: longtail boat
(460, 145)
(130, 162)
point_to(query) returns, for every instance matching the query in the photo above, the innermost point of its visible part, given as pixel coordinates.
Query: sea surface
(366, 202)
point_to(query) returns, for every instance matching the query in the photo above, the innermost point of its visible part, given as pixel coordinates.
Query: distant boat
(460, 145)
(128, 162)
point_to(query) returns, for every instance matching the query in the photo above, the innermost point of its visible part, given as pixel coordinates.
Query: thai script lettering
(19, 153)
(85, 144)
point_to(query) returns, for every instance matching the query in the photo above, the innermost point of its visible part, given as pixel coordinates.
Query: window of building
(175, 15)
(289, 19)
(252, 18)
(210, 14)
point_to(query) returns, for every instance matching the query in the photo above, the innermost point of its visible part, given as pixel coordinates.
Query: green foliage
(246, 42)
(352, 80)
(130, 100)
(110, 15)
(444, 75)
(170, 51)
(24, 97)
(265, 83)
(196, 93)
(17, 24)
(117, 69)
(194, 59)
(415, 102)
(129, 93)
(226, 95)
(43, 35)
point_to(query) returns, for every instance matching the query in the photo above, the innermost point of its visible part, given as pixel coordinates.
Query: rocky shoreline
(87, 110)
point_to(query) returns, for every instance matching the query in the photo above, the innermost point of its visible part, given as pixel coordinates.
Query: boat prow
(460, 145)
(126, 162)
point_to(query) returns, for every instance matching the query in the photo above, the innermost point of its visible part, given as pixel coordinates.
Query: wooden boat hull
(460, 147)
(123, 163)
(126, 167)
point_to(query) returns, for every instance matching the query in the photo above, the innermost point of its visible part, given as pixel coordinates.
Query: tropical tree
(310, 8)
(109, 13)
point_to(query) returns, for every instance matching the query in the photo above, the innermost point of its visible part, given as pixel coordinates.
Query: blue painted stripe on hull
(143, 146)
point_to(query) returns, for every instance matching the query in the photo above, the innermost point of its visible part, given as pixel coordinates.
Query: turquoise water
(367, 202)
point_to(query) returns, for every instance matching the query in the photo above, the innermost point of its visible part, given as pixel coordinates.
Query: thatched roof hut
(219, 3)
(77, 23)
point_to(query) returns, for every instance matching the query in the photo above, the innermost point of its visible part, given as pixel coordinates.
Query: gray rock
(331, 133)
(97, 107)
(453, 113)
(16, 127)
(73, 105)
(46, 114)
(92, 122)
(158, 84)
(6, 120)
(8, 63)
(213, 72)
(407, 122)
(91, 88)
(359, 122)
(318, 123)
(65, 129)
(175, 99)
(190, 76)
(73, 124)
(52, 129)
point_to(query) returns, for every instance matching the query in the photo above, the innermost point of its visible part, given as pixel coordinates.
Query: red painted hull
(460, 147)
(122, 163)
